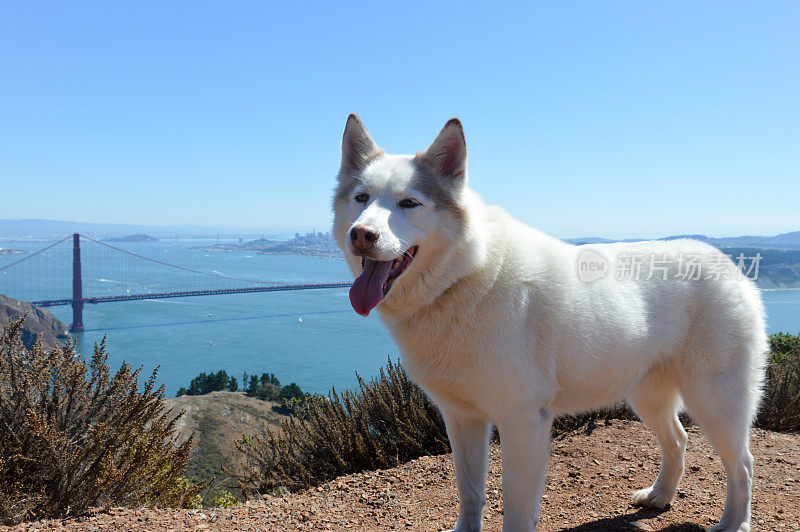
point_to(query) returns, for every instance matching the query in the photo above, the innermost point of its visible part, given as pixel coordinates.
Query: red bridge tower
(77, 286)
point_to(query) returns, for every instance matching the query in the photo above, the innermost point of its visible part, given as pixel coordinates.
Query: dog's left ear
(448, 153)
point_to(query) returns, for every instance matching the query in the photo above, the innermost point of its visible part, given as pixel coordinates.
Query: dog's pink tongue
(367, 290)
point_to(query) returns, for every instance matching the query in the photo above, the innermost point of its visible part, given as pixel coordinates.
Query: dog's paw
(651, 498)
(744, 527)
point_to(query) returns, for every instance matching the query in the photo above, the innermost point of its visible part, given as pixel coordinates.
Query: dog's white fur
(495, 324)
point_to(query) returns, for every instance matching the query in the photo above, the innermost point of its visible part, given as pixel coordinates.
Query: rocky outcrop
(39, 323)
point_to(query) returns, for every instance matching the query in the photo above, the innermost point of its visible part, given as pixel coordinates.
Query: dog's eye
(408, 203)
(362, 198)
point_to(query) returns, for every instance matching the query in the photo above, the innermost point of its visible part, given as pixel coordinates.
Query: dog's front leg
(525, 442)
(469, 439)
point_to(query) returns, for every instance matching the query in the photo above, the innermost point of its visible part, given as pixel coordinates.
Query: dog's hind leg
(469, 439)
(656, 400)
(721, 406)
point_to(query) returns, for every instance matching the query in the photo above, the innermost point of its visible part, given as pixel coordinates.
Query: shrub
(780, 409)
(569, 423)
(72, 436)
(294, 406)
(223, 499)
(388, 421)
(784, 346)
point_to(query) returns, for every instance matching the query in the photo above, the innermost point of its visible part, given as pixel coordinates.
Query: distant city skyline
(616, 120)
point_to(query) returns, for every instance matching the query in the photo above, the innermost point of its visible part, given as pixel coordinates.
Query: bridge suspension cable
(142, 257)
(35, 253)
(99, 272)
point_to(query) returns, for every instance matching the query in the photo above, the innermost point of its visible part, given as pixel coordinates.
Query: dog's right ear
(358, 148)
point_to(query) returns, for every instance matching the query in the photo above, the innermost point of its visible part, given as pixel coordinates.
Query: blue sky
(582, 118)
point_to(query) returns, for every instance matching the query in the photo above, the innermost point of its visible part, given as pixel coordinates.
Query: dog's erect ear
(448, 153)
(358, 148)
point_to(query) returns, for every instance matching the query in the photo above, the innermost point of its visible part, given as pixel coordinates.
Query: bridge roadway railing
(191, 293)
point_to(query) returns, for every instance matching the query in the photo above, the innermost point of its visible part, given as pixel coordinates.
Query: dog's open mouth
(376, 279)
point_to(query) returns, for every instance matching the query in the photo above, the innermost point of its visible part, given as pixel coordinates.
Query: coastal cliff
(39, 324)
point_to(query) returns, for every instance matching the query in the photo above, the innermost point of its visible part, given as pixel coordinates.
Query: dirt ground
(590, 481)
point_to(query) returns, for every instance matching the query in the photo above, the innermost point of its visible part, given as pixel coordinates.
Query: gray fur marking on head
(428, 181)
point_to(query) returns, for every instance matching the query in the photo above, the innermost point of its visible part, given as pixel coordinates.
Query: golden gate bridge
(41, 278)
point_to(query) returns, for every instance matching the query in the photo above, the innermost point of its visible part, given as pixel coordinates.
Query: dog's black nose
(363, 237)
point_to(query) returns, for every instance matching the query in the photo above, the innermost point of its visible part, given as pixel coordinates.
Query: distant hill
(777, 268)
(132, 238)
(785, 241)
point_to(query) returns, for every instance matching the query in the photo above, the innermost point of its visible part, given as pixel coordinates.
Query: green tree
(291, 391)
(266, 387)
(211, 382)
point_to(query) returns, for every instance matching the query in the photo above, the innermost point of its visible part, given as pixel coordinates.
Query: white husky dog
(502, 324)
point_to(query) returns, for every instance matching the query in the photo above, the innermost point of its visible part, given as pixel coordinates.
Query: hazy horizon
(189, 230)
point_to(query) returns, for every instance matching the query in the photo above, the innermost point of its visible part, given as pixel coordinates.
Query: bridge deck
(192, 293)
